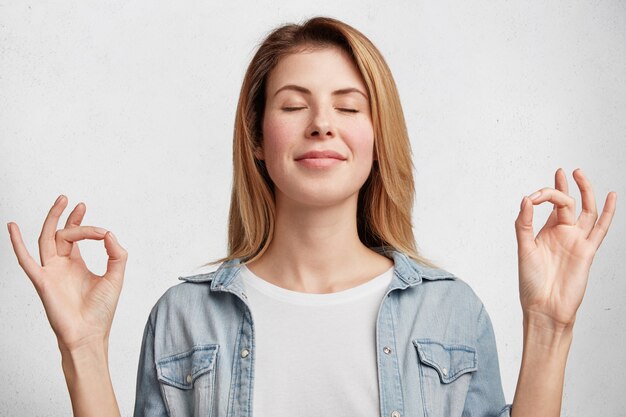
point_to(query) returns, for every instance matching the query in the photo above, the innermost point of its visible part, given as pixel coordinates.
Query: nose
(321, 126)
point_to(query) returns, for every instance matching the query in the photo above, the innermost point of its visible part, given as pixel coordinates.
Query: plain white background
(129, 107)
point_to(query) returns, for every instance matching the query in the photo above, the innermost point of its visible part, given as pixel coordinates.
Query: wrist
(88, 379)
(89, 356)
(84, 345)
(542, 331)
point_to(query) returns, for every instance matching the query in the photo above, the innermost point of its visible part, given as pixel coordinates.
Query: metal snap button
(395, 413)
(444, 371)
(189, 379)
(245, 353)
(387, 350)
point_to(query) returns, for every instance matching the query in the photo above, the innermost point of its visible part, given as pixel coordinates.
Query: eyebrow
(307, 91)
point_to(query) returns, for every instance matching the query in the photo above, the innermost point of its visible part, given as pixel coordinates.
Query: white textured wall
(128, 107)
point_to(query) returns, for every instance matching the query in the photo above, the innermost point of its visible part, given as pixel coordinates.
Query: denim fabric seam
(421, 371)
(235, 380)
(251, 356)
(379, 364)
(194, 348)
(395, 349)
(448, 348)
(186, 354)
(211, 399)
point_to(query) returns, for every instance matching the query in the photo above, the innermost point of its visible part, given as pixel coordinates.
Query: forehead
(321, 68)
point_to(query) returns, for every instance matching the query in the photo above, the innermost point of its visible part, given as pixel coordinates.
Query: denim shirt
(435, 348)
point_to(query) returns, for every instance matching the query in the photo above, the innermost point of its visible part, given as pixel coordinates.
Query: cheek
(276, 137)
(361, 140)
(277, 143)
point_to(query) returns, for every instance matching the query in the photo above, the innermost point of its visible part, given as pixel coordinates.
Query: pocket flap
(449, 360)
(182, 369)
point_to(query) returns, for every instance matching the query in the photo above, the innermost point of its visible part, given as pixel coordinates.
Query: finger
(46, 242)
(28, 264)
(565, 204)
(524, 228)
(589, 214)
(74, 220)
(602, 227)
(74, 235)
(117, 259)
(560, 181)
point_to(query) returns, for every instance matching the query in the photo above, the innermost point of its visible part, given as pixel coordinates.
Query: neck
(317, 249)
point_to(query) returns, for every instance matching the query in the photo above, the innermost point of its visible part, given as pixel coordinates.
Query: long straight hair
(385, 200)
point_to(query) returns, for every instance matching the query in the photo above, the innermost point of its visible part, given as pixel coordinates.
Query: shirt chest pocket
(187, 380)
(445, 372)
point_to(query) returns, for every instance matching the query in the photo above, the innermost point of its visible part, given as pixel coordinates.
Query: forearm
(87, 376)
(540, 384)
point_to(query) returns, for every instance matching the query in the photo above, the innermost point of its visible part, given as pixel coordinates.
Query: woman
(323, 304)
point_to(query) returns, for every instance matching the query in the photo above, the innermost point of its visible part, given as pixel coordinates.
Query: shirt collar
(407, 272)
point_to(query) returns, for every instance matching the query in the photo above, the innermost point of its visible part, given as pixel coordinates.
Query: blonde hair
(386, 198)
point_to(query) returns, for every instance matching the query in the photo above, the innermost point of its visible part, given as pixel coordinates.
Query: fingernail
(113, 236)
(101, 230)
(58, 199)
(9, 227)
(534, 195)
(521, 206)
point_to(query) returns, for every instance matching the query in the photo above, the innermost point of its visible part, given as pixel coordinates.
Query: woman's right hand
(79, 304)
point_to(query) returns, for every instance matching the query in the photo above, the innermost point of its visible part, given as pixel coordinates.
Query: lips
(327, 154)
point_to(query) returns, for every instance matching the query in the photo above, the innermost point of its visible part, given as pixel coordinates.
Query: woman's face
(318, 137)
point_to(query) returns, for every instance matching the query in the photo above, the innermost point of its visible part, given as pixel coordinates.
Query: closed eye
(300, 108)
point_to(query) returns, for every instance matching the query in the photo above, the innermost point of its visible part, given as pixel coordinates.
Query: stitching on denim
(393, 330)
(250, 365)
(176, 357)
(234, 380)
(378, 362)
(446, 346)
(428, 360)
(189, 352)
(211, 400)
(422, 382)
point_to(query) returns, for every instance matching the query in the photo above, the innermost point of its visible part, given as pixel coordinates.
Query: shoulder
(438, 286)
(451, 290)
(186, 298)
(444, 305)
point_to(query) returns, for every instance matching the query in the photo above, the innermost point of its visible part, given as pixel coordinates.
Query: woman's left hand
(554, 266)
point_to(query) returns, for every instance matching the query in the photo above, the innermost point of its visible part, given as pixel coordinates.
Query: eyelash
(299, 108)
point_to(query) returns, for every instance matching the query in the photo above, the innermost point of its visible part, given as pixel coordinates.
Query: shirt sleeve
(485, 397)
(148, 399)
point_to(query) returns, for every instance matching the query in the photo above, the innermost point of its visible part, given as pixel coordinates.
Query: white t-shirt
(315, 353)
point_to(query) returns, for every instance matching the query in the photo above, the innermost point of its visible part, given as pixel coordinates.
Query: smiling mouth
(319, 162)
(322, 154)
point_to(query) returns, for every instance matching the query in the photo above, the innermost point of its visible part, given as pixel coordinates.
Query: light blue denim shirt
(436, 350)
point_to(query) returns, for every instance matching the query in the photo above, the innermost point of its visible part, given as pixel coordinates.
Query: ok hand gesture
(79, 304)
(554, 266)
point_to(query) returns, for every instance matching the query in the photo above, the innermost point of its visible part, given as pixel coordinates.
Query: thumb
(116, 263)
(524, 227)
